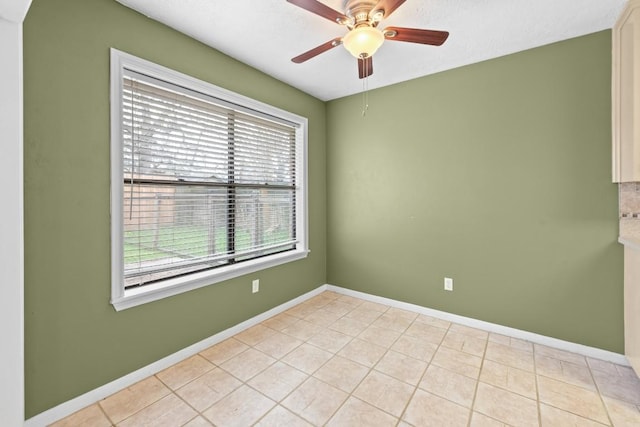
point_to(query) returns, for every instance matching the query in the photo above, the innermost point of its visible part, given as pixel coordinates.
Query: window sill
(175, 286)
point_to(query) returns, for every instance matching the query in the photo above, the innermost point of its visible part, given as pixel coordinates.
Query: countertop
(630, 233)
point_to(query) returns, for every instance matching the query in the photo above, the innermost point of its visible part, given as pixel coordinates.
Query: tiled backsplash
(629, 200)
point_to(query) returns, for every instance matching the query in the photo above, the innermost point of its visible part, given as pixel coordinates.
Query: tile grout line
(279, 359)
(105, 413)
(279, 402)
(600, 395)
(370, 369)
(308, 375)
(399, 418)
(311, 375)
(174, 392)
(215, 366)
(141, 409)
(535, 377)
(595, 383)
(475, 391)
(417, 386)
(350, 394)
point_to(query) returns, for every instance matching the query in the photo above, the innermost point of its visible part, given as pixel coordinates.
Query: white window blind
(205, 185)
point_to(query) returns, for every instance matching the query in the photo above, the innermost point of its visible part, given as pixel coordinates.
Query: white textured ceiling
(266, 34)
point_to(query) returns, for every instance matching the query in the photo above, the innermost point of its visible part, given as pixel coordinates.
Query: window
(206, 184)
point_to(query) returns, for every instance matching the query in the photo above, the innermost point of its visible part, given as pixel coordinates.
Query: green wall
(75, 340)
(496, 174)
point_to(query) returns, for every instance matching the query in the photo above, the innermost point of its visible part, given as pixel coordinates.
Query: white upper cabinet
(626, 94)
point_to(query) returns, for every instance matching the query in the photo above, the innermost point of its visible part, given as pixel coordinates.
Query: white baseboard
(583, 350)
(67, 408)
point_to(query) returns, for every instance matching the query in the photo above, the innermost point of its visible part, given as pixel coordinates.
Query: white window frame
(123, 299)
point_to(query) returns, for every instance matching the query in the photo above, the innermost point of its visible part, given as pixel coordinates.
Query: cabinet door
(632, 307)
(626, 95)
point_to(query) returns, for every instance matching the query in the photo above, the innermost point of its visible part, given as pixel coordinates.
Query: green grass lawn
(184, 241)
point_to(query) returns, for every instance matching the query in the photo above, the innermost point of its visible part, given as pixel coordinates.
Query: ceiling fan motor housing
(360, 12)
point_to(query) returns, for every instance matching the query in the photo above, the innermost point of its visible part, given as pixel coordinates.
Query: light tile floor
(340, 361)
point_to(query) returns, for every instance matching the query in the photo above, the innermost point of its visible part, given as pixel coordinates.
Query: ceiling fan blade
(317, 50)
(365, 67)
(388, 6)
(414, 35)
(320, 9)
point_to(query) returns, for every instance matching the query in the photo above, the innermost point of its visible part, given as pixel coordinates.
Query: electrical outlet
(255, 286)
(448, 284)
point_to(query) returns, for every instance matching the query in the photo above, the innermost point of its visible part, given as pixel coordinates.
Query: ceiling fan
(362, 17)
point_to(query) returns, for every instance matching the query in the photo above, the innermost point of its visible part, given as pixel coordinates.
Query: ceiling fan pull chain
(365, 104)
(365, 90)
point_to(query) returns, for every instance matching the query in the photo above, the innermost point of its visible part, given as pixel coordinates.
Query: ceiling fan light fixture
(363, 42)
